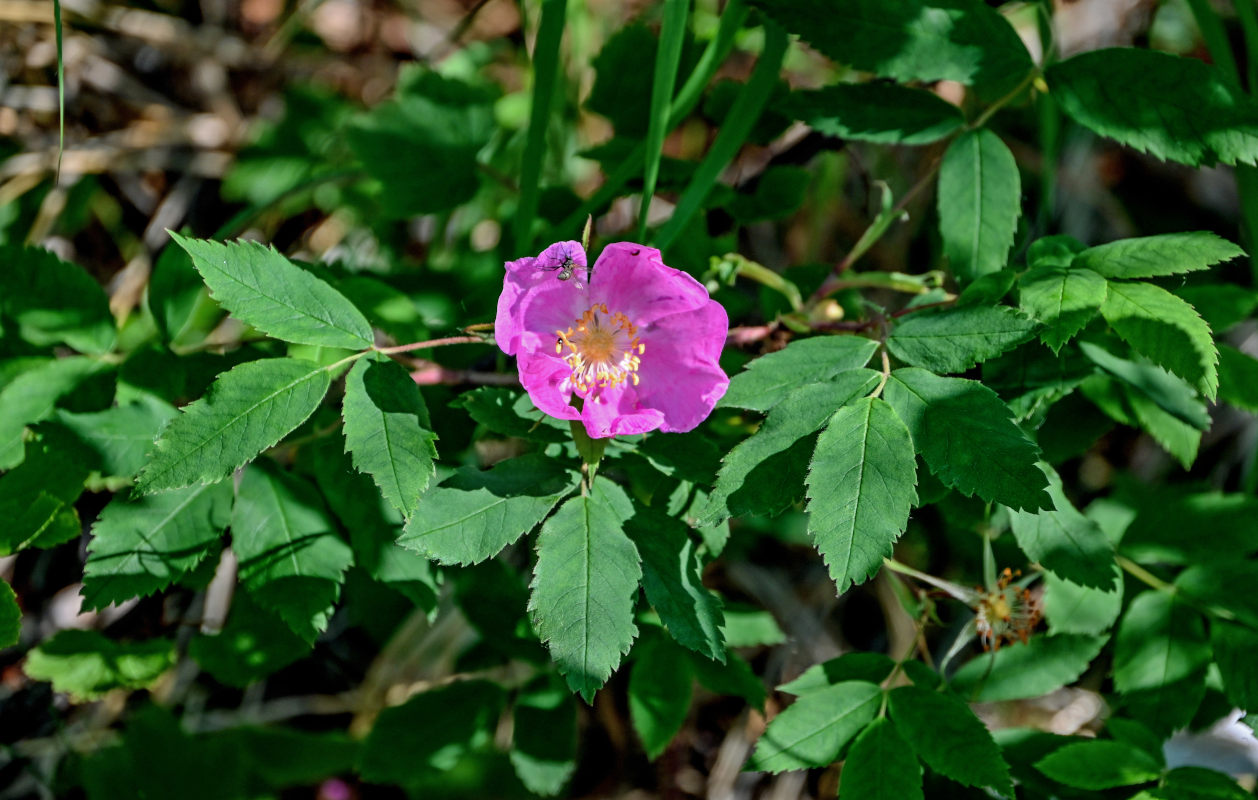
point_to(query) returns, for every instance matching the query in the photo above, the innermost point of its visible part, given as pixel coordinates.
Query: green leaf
(430, 731)
(748, 626)
(422, 145)
(1070, 608)
(120, 437)
(287, 757)
(1065, 542)
(53, 302)
(511, 413)
(1042, 665)
(1156, 535)
(1174, 435)
(814, 729)
(291, 559)
(264, 289)
(10, 616)
(979, 203)
(247, 410)
(143, 546)
(37, 497)
(881, 766)
(1158, 642)
(911, 40)
(584, 586)
(86, 664)
(1053, 251)
(1099, 764)
(1168, 331)
(1169, 392)
(968, 438)
(659, 693)
(857, 666)
(1238, 378)
(799, 414)
(1235, 650)
(254, 643)
(1224, 584)
(1064, 299)
(769, 379)
(473, 514)
(886, 113)
(861, 485)
(955, 339)
(671, 577)
(1152, 256)
(34, 394)
(734, 677)
(387, 430)
(544, 740)
(1220, 305)
(949, 738)
(1180, 109)
(1199, 783)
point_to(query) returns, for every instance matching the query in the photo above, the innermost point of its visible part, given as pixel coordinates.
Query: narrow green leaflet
(1174, 435)
(768, 379)
(799, 414)
(1063, 298)
(968, 437)
(881, 766)
(1063, 541)
(1164, 254)
(254, 643)
(1042, 665)
(473, 514)
(1179, 109)
(10, 616)
(1159, 641)
(876, 112)
(1238, 378)
(584, 586)
(264, 289)
(120, 437)
(1169, 392)
(861, 486)
(544, 741)
(430, 731)
(291, 558)
(813, 730)
(1200, 783)
(1166, 330)
(247, 410)
(949, 738)
(52, 301)
(659, 693)
(510, 412)
(388, 432)
(86, 664)
(34, 394)
(911, 40)
(1235, 650)
(1099, 764)
(1070, 608)
(37, 497)
(856, 666)
(143, 546)
(748, 626)
(673, 584)
(956, 339)
(979, 204)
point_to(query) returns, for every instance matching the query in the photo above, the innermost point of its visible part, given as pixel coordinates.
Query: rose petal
(545, 378)
(617, 412)
(634, 280)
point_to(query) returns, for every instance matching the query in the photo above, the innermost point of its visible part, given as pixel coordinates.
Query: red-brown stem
(406, 348)
(434, 374)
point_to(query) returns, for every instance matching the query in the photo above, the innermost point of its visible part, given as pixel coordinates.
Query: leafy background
(986, 264)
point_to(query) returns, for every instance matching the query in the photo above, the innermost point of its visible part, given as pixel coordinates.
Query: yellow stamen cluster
(604, 349)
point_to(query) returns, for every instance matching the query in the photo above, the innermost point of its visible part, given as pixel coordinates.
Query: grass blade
(667, 58)
(61, 87)
(742, 116)
(545, 74)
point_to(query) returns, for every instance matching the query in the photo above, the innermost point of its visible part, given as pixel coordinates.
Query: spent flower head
(636, 340)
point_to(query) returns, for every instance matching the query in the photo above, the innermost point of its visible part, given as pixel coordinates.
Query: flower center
(603, 347)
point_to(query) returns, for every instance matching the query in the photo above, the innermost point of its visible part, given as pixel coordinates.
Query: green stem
(667, 59)
(590, 449)
(1143, 575)
(982, 119)
(406, 348)
(545, 76)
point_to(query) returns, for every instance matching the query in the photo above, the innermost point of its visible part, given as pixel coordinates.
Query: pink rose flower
(637, 340)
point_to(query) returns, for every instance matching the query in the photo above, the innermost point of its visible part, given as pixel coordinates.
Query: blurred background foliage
(381, 142)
